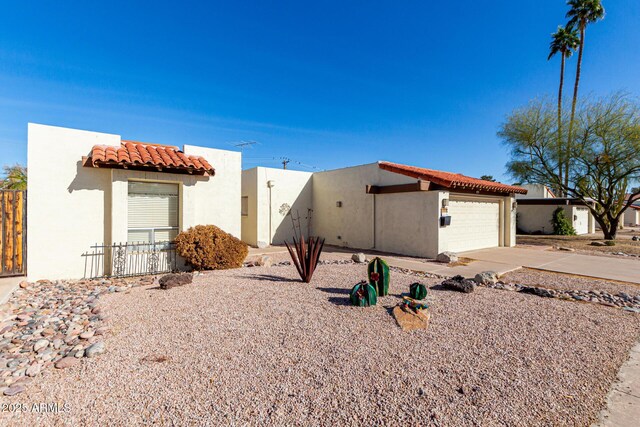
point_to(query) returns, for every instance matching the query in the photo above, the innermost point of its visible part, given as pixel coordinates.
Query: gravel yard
(255, 346)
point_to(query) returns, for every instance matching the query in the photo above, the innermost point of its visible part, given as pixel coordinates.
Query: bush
(561, 224)
(610, 243)
(206, 247)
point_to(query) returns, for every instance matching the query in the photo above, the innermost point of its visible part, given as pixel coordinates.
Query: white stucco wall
(269, 222)
(631, 217)
(408, 223)
(537, 218)
(71, 207)
(352, 224)
(66, 202)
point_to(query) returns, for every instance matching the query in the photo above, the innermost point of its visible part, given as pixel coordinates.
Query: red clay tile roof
(450, 180)
(139, 154)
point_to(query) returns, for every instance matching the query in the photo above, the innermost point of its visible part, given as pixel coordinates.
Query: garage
(475, 224)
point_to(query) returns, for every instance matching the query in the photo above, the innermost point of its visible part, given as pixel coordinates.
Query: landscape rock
(359, 257)
(598, 244)
(67, 362)
(486, 277)
(447, 257)
(265, 261)
(566, 249)
(13, 390)
(460, 284)
(40, 345)
(409, 319)
(635, 238)
(173, 280)
(94, 350)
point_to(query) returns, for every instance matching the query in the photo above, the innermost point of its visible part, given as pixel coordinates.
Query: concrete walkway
(623, 401)
(7, 285)
(504, 260)
(621, 269)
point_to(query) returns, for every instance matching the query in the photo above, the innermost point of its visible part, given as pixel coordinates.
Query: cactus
(418, 291)
(363, 295)
(379, 276)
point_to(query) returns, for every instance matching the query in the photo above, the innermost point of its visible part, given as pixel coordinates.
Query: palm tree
(563, 41)
(15, 178)
(582, 13)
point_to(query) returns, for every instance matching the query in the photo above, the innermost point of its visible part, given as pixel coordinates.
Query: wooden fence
(13, 236)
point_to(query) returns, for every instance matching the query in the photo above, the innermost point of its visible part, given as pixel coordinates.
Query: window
(244, 207)
(152, 212)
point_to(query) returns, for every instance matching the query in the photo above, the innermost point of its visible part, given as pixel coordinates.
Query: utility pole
(285, 161)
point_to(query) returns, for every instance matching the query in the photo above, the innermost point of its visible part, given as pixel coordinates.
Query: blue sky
(326, 84)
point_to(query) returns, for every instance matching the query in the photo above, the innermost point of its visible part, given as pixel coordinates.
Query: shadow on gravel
(339, 301)
(341, 291)
(271, 278)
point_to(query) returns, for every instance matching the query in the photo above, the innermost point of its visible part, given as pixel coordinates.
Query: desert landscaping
(255, 345)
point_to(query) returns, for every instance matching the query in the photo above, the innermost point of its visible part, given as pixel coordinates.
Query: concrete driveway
(622, 269)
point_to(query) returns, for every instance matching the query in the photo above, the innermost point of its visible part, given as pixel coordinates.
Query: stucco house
(384, 206)
(535, 211)
(100, 205)
(96, 189)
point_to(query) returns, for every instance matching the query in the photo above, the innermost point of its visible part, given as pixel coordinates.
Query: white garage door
(474, 225)
(581, 220)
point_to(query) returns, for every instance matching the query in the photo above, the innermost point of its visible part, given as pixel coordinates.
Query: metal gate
(13, 233)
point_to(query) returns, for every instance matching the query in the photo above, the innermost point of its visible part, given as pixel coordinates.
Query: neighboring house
(90, 188)
(632, 216)
(536, 191)
(535, 215)
(383, 206)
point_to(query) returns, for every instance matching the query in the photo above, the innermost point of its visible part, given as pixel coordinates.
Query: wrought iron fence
(129, 259)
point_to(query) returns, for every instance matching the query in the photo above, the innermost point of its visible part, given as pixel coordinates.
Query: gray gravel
(254, 346)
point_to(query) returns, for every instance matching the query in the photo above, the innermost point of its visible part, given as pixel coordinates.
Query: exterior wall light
(338, 204)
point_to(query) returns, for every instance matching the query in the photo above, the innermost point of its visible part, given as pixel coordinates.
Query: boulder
(635, 238)
(447, 257)
(359, 257)
(487, 278)
(264, 261)
(598, 244)
(409, 319)
(460, 284)
(175, 279)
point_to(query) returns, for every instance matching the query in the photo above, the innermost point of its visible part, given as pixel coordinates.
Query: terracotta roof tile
(138, 154)
(450, 180)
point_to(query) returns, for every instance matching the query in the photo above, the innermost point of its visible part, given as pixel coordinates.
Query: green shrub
(561, 224)
(206, 247)
(610, 243)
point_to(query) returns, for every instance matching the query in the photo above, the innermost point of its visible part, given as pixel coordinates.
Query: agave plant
(306, 255)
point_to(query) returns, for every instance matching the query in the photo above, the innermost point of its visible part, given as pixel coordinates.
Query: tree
(582, 13)
(605, 156)
(488, 178)
(564, 41)
(15, 178)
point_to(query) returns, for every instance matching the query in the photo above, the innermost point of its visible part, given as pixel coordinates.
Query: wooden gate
(13, 236)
